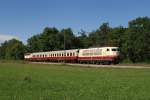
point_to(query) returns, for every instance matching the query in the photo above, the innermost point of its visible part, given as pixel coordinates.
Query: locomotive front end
(115, 53)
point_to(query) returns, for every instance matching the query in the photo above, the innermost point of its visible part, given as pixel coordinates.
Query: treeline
(133, 41)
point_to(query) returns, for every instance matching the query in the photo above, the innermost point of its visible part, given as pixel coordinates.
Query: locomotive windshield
(115, 49)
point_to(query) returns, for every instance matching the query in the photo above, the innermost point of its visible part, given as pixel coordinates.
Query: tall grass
(21, 81)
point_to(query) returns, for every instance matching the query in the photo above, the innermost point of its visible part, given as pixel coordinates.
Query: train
(97, 55)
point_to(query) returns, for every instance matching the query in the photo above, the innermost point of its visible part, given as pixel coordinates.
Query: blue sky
(22, 19)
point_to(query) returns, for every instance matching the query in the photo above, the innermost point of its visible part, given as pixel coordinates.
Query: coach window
(73, 54)
(70, 54)
(67, 54)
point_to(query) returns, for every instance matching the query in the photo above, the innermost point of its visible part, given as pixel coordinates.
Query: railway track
(97, 66)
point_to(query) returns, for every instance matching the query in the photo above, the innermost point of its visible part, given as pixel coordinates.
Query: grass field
(20, 81)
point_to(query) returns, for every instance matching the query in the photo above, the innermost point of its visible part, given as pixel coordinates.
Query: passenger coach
(56, 56)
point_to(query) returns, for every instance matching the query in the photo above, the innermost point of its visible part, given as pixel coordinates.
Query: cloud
(4, 37)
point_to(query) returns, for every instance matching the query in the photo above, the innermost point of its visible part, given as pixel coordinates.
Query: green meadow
(22, 81)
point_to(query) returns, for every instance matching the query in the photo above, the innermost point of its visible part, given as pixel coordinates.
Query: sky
(22, 19)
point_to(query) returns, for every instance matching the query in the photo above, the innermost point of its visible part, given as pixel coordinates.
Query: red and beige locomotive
(99, 55)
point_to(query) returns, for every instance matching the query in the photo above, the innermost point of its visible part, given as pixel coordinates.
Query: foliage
(12, 49)
(137, 40)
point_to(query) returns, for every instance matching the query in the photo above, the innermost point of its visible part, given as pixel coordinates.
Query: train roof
(103, 47)
(54, 51)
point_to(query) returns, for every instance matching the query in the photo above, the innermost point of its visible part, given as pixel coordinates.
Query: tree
(69, 37)
(82, 39)
(12, 49)
(47, 40)
(115, 36)
(100, 36)
(34, 44)
(138, 40)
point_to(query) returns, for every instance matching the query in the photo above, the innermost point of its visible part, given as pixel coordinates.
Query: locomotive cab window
(114, 49)
(107, 49)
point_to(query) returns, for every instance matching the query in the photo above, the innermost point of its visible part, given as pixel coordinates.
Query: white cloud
(4, 37)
